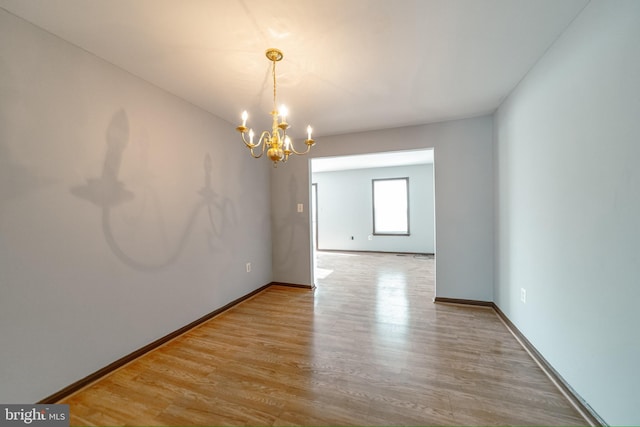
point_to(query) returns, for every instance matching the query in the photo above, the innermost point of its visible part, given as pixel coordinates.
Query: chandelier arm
(251, 146)
(247, 143)
(263, 141)
(264, 136)
(299, 153)
(254, 154)
(281, 133)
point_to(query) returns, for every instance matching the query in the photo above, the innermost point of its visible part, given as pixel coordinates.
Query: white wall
(568, 207)
(105, 238)
(345, 209)
(464, 202)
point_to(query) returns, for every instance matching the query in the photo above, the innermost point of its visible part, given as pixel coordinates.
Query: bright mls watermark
(34, 415)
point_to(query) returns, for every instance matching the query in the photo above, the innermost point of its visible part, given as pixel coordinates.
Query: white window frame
(377, 232)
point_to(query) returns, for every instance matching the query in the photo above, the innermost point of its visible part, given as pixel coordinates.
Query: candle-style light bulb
(287, 142)
(251, 136)
(309, 132)
(283, 113)
(245, 116)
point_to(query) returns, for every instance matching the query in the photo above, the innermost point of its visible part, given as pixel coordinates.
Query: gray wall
(105, 190)
(568, 207)
(106, 243)
(464, 202)
(345, 209)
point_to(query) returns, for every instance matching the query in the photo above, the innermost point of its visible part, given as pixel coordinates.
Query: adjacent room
(380, 203)
(301, 212)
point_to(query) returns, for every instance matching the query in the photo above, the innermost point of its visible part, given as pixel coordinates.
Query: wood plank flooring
(367, 347)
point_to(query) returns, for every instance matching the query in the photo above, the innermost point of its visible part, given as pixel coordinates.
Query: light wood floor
(367, 347)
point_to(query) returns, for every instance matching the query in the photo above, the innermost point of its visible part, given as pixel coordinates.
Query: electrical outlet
(300, 207)
(248, 267)
(523, 295)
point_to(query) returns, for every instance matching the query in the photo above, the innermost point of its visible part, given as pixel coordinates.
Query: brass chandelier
(277, 143)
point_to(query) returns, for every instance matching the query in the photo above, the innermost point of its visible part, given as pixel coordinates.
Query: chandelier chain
(273, 71)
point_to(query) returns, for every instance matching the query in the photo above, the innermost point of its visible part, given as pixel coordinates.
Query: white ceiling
(349, 65)
(374, 160)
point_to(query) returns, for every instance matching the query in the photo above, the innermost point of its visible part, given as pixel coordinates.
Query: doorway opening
(342, 216)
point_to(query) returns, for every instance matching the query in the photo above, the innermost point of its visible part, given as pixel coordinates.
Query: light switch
(300, 207)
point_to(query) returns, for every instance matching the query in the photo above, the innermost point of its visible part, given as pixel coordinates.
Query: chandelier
(277, 143)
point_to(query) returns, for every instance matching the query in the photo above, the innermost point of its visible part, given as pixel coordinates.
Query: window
(391, 206)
